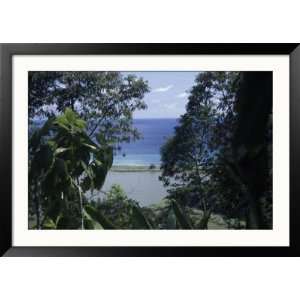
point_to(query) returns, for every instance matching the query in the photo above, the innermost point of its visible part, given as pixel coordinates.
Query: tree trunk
(254, 107)
(81, 203)
(204, 221)
(37, 212)
(37, 208)
(253, 220)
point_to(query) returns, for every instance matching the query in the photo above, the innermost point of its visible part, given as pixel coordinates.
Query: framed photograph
(149, 149)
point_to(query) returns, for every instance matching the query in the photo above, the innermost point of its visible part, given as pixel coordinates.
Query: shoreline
(134, 168)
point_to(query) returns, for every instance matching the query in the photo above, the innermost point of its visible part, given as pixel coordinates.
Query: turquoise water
(146, 151)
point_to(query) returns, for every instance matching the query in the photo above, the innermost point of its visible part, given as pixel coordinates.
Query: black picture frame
(7, 51)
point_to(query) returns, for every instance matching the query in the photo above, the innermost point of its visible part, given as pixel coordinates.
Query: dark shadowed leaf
(140, 219)
(181, 218)
(99, 217)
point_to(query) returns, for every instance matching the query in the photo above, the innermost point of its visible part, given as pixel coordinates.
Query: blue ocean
(146, 151)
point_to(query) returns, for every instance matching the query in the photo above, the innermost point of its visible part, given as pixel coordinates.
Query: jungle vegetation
(219, 160)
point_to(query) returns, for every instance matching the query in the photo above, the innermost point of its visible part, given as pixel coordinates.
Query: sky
(168, 93)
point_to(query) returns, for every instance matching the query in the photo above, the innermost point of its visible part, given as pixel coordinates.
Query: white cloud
(163, 89)
(182, 95)
(170, 106)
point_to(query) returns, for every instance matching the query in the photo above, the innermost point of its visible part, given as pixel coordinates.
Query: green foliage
(191, 165)
(124, 213)
(192, 160)
(217, 159)
(183, 221)
(139, 219)
(119, 209)
(95, 214)
(89, 222)
(104, 100)
(173, 216)
(121, 212)
(115, 194)
(64, 164)
(48, 223)
(89, 114)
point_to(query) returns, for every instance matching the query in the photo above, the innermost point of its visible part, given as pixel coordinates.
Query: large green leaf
(89, 222)
(105, 155)
(87, 169)
(57, 178)
(140, 219)
(99, 217)
(70, 115)
(91, 147)
(48, 224)
(171, 219)
(181, 218)
(110, 156)
(42, 160)
(60, 150)
(100, 173)
(70, 122)
(60, 167)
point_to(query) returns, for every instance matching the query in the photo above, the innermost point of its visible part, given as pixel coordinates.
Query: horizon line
(156, 118)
